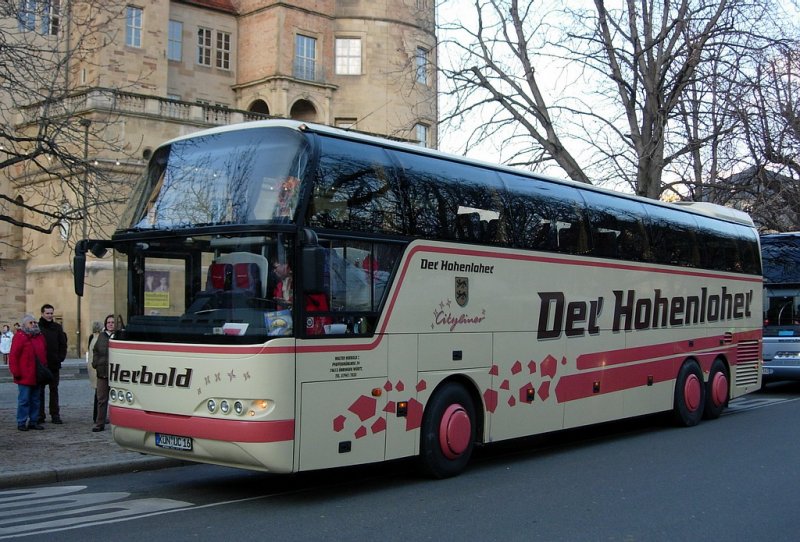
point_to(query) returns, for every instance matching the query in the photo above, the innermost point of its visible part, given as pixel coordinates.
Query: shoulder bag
(43, 374)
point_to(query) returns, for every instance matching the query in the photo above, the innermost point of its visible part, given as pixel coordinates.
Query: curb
(51, 476)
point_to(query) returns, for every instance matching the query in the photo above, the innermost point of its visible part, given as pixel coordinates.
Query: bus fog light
(237, 407)
(224, 407)
(212, 405)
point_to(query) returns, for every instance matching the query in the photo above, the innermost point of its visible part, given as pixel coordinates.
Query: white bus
(329, 298)
(781, 256)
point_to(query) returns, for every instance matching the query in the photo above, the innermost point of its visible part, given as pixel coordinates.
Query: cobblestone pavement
(62, 452)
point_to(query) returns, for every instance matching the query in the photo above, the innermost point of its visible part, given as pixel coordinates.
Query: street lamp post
(84, 186)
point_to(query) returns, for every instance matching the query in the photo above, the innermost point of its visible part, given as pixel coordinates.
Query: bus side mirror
(79, 266)
(313, 268)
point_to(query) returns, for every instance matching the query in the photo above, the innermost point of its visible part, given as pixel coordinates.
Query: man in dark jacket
(56, 341)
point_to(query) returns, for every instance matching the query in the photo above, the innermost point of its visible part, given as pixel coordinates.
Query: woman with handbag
(28, 350)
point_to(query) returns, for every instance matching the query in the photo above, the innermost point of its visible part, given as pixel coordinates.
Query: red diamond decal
(544, 391)
(379, 425)
(364, 407)
(549, 367)
(516, 368)
(414, 415)
(490, 398)
(338, 423)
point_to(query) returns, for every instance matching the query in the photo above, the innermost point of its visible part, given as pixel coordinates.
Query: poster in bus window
(156, 289)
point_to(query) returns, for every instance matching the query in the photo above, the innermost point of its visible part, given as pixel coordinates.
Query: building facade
(139, 73)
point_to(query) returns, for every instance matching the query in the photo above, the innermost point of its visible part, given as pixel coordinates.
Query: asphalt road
(733, 479)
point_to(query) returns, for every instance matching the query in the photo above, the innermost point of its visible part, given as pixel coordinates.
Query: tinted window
(748, 250)
(449, 200)
(618, 229)
(237, 177)
(781, 255)
(720, 245)
(356, 189)
(673, 237)
(544, 216)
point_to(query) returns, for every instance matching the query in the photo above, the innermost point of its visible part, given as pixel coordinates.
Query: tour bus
(300, 297)
(780, 253)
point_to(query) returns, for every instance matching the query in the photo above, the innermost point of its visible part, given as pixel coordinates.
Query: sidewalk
(62, 452)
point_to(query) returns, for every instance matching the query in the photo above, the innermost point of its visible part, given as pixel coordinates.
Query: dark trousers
(102, 402)
(55, 411)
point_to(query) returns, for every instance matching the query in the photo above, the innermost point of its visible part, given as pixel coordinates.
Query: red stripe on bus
(201, 348)
(204, 428)
(594, 383)
(583, 385)
(606, 264)
(627, 355)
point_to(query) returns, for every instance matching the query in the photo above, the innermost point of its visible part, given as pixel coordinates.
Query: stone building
(139, 73)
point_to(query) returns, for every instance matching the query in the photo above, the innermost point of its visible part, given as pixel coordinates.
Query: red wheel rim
(455, 431)
(719, 389)
(692, 392)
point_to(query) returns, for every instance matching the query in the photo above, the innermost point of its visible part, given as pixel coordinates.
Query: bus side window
(605, 244)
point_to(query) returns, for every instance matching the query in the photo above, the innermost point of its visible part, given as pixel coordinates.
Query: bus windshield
(233, 177)
(781, 263)
(214, 289)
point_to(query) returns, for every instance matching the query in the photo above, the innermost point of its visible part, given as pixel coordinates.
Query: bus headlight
(212, 406)
(238, 407)
(224, 407)
(113, 395)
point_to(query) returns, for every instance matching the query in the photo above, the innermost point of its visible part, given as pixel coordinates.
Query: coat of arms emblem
(462, 291)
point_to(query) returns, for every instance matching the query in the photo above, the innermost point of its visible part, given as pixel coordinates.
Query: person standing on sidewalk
(5, 342)
(27, 349)
(100, 363)
(56, 341)
(97, 328)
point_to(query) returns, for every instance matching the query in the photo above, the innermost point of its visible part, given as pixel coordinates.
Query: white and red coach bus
(299, 297)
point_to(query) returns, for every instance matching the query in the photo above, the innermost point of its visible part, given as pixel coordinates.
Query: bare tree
(614, 93)
(47, 129)
(768, 109)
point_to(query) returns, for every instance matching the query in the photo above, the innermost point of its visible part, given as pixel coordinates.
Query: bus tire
(690, 394)
(448, 431)
(717, 391)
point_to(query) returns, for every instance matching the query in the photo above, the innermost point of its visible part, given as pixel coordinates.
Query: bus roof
(702, 208)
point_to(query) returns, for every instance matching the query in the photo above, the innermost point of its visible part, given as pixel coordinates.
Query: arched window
(303, 110)
(259, 106)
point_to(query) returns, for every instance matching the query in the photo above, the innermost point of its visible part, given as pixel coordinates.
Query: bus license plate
(173, 442)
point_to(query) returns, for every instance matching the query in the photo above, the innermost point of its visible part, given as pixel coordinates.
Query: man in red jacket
(27, 349)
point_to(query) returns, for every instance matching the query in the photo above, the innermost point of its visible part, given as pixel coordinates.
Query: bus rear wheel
(448, 431)
(690, 395)
(716, 391)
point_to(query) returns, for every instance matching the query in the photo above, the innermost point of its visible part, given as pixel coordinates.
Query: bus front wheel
(690, 395)
(448, 431)
(716, 391)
